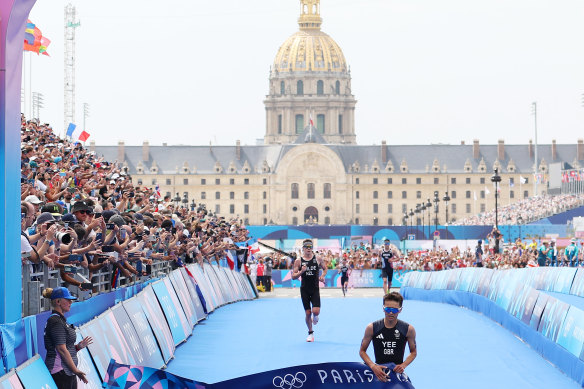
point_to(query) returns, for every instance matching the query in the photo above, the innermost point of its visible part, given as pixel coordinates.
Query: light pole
(405, 219)
(176, 201)
(436, 201)
(185, 201)
(429, 208)
(446, 199)
(496, 178)
(417, 211)
(193, 205)
(423, 208)
(411, 219)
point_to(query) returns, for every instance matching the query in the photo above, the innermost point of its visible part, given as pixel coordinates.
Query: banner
(552, 318)
(131, 336)
(10, 381)
(319, 376)
(367, 278)
(177, 322)
(192, 288)
(178, 283)
(34, 374)
(158, 324)
(85, 364)
(571, 336)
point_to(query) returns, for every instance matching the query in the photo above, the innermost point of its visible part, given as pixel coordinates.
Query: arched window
(375, 194)
(299, 124)
(320, 123)
(320, 87)
(340, 124)
(300, 88)
(338, 87)
(310, 191)
(327, 220)
(282, 88)
(327, 192)
(294, 191)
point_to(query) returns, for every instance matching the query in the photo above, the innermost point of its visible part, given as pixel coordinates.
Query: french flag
(230, 259)
(76, 133)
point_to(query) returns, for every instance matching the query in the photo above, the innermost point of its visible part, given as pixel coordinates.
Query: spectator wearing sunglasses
(307, 267)
(389, 336)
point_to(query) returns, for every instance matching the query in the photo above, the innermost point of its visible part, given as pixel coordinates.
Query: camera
(97, 215)
(63, 237)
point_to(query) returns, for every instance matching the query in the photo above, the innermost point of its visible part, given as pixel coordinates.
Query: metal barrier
(37, 277)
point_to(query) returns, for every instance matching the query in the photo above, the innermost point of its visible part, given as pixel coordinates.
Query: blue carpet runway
(457, 348)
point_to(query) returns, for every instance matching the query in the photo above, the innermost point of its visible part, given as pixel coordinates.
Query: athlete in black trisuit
(389, 336)
(345, 271)
(387, 256)
(308, 266)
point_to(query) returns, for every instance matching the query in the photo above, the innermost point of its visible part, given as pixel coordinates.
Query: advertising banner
(130, 334)
(34, 374)
(571, 335)
(190, 283)
(10, 381)
(205, 288)
(484, 282)
(358, 278)
(553, 315)
(159, 325)
(177, 322)
(178, 283)
(578, 284)
(85, 364)
(564, 279)
(319, 376)
(529, 306)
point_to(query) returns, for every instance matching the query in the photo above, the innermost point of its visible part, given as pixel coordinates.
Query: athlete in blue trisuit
(345, 271)
(307, 267)
(389, 336)
(571, 253)
(387, 255)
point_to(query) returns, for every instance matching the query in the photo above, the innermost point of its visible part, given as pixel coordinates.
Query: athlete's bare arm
(297, 271)
(378, 370)
(322, 264)
(411, 338)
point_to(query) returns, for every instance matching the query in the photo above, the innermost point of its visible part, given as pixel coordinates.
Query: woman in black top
(61, 359)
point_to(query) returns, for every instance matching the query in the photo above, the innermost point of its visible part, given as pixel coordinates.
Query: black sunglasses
(86, 212)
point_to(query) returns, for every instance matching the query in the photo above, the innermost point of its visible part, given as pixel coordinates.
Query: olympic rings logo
(290, 381)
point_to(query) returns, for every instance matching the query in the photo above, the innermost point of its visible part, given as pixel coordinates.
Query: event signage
(34, 374)
(159, 325)
(174, 317)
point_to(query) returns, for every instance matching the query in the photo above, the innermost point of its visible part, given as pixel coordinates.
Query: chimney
(475, 149)
(530, 148)
(580, 149)
(145, 151)
(121, 152)
(462, 143)
(238, 150)
(383, 152)
(554, 150)
(501, 150)
(92, 145)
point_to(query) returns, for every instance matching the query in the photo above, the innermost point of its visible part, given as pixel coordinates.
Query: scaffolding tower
(70, 25)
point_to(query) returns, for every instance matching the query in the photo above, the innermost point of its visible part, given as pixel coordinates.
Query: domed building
(310, 82)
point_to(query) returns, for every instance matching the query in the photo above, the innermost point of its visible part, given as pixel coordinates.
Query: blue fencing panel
(85, 364)
(578, 284)
(17, 341)
(538, 308)
(552, 318)
(34, 374)
(571, 335)
(192, 288)
(131, 336)
(178, 283)
(172, 311)
(10, 381)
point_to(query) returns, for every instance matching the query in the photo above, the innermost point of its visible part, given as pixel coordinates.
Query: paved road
(327, 293)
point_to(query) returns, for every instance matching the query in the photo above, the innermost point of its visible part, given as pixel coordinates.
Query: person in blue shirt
(553, 253)
(542, 253)
(571, 253)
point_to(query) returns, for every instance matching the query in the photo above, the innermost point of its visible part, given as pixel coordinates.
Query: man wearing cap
(387, 257)
(35, 201)
(571, 253)
(542, 253)
(307, 267)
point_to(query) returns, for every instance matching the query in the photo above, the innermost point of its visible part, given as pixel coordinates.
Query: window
(483, 207)
(356, 194)
(390, 221)
(299, 124)
(246, 195)
(375, 181)
(375, 221)
(279, 124)
(357, 208)
(453, 180)
(468, 208)
(294, 193)
(418, 194)
(265, 208)
(295, 220)
(246, 181)
(467, 194)
(404, 194)
(340, 124)
(154, 181)
(217, 195)
(512, 194)
(375, 195)
(389, 194)
(511, 181)
(185, 181)
(310, 191)
(232, 181)
(327, 191)
(168, 181)
(482, 194)
(389, 208)
(525, 194)
(264, 195)
(217, 181)
(265, 221)
(232, 208)
(327, 220)
(282, 88)
(245, 208)
(265, 181)
(357, 220)
(453, 194)
(404, 181)
(418, 180)
(356, 181)
(436, 180)
(467, 180)
(300, 88)
(404, 208)
(231, 195)
(320, 125)
(526, 180)
(453, 206)
(217, 208)
(338, 87)
(320, 87)
(139, 181)
(203, 181)
(482, 180)
(203, 195)
(246, 221)
(375, 208)
(390, 181)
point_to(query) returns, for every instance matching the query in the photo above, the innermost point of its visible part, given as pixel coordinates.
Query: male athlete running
(345, 271)
(387, 256)
(307, 267)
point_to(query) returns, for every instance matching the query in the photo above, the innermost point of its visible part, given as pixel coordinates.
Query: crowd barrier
(516, 299)
(137, 325)
(370, 278)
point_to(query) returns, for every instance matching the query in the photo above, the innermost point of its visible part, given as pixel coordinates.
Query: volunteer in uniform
(307, 267)
(389, 336)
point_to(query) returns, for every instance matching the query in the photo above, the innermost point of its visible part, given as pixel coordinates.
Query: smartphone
(97, 215)
(107, 249)
(110, 226)
(75, 258)
(99, 237)
(70, 269)
(62, 174)
(71, 190)
(123, 234)
(102, 258)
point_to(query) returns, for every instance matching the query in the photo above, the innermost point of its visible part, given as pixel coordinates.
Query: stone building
(309, 168)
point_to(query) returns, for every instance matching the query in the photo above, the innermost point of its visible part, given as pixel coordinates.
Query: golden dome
(310, 49)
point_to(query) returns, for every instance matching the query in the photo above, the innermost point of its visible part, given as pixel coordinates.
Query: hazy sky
(423, 71)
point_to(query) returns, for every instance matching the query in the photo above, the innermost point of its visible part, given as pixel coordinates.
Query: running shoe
(310, 338)
(314, 319)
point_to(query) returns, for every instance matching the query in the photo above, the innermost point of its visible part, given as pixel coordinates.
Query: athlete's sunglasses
(391, 310)
(307, 246)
